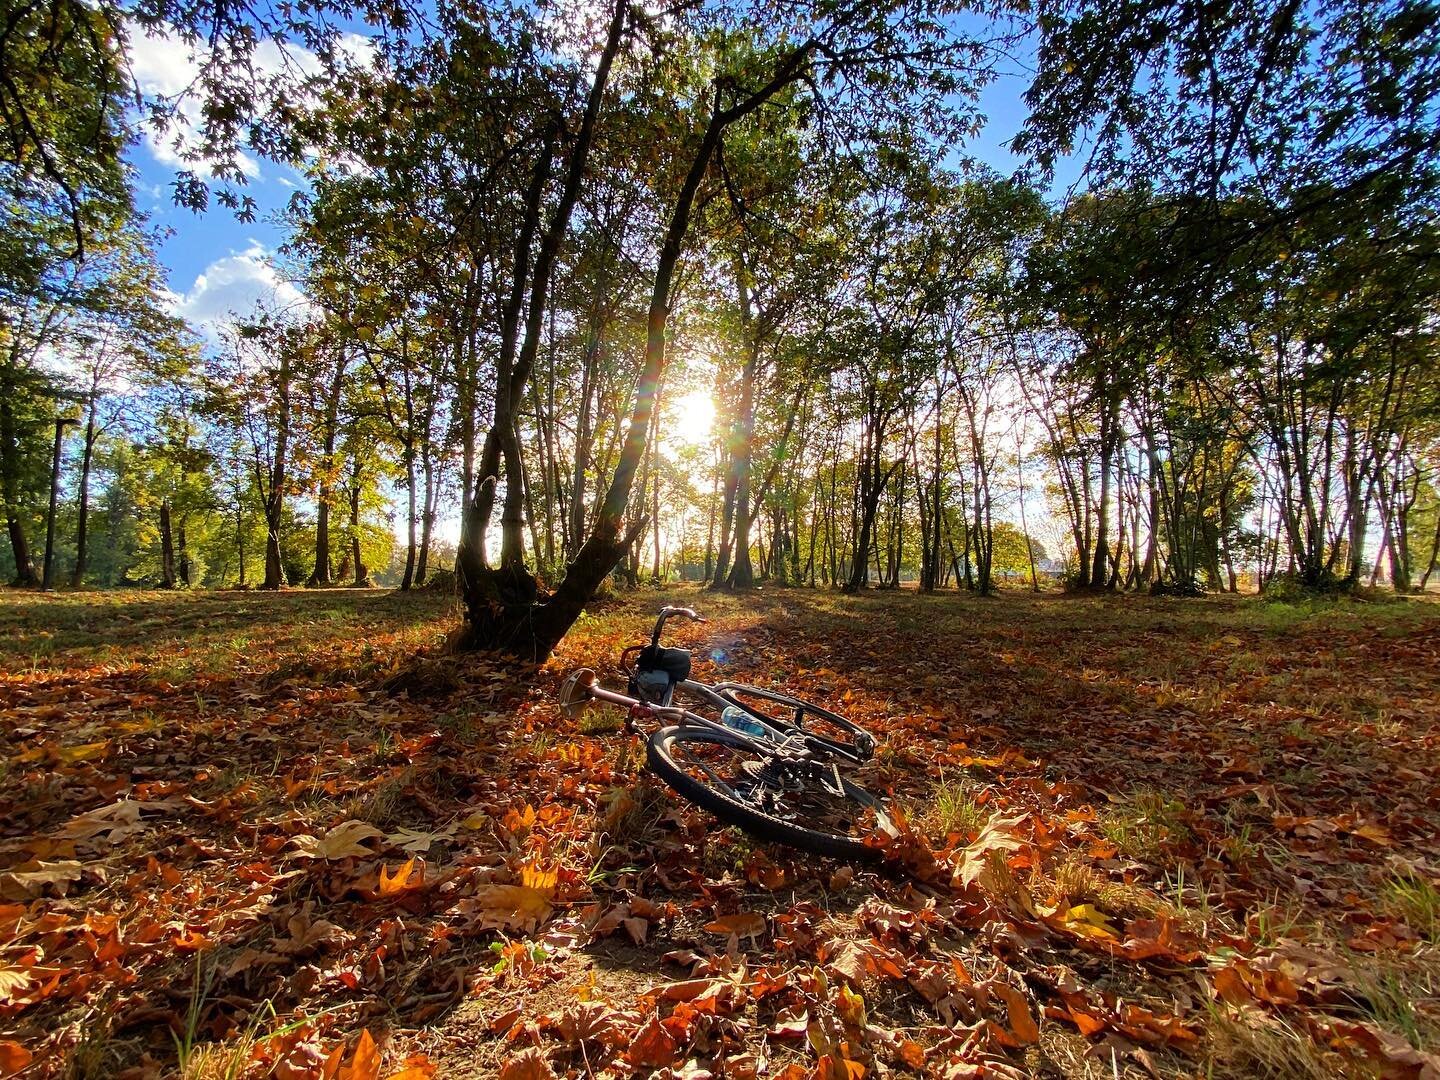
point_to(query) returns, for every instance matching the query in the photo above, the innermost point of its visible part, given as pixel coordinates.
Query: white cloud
(231, 286)
(164, 66)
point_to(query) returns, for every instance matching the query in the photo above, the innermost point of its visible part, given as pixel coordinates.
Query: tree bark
(512, 376)
(25, 574)
(167, 548)
(321, 574)
(82, 530)
(48, 573)
(274, 489)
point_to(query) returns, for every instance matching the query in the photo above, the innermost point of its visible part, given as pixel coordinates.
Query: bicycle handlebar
(668, 612)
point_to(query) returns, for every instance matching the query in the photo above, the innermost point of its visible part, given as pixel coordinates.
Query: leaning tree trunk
(501, 607)
(517, 357)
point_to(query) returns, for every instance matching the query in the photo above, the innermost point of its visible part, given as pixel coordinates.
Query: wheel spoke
(806, 804)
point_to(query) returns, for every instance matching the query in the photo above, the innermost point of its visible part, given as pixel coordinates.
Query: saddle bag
(657, 672)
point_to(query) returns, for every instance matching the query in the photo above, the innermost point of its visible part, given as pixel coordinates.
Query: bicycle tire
(750, 818)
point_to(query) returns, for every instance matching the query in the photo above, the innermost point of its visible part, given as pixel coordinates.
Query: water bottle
(738, 719)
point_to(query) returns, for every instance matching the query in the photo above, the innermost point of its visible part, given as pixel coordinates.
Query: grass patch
(1415, 901)
(1142, 824)
(955, 806)
(1249, 1045)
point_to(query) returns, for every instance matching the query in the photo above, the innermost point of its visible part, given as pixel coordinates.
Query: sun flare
(691, 419)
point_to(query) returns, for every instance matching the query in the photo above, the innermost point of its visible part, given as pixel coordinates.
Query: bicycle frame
(784, 734)
(785, 759)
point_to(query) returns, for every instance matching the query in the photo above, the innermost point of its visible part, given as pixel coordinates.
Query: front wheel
(742, 786)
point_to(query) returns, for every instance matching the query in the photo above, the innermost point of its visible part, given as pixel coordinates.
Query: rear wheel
(738, 784)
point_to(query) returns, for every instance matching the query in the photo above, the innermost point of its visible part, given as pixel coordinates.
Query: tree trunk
(501, 607)
(428, 507)
(82, 531)
(275, 496)
(25, 574)
(48, 573)
(167, 548)
(182, 549)
(362, 572)
(742, 574)
(409, 577)
(321, 574)
(512, 378)
(1099, 568)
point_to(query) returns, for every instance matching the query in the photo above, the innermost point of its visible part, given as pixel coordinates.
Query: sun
(690, 419)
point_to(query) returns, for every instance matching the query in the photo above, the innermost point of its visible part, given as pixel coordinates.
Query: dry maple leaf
(415, 841)
(741, 924)
(508, 907)
(13, 1057)
(653, 1045)
(111, 823)
(66, 755)
(13, 981)
(29, 879)
(593, 1022)
(306, 932)
(998, 835)
(364, 1062)
(341, 842)
(528, 1064)
(1017, 1012)
(398, 882)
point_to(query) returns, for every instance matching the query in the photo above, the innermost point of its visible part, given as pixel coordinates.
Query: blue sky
(217, 263)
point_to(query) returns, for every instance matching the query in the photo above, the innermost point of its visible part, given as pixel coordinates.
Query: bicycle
(777, 778)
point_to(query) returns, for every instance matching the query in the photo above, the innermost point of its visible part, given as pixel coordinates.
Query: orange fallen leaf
(911, 1053)
(653, 1045)
(13, 1057)
(398, 882)
(741, 924)
(364, 1062)
(528, 1064)
(1017, 1010)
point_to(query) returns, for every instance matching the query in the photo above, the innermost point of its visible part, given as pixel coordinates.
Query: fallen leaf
(13, 1057)
(528, 1064)
(653, 1046)
(341, 842)
(998, 835)
(111, 823)
(415, 841)
(510, 907)
(30, 879)
(1017, 1011)
(741, 924)
(398, 882)
(13, 981)
(365, 1061)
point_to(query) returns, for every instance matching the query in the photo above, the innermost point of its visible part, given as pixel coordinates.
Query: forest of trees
(540, 243)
